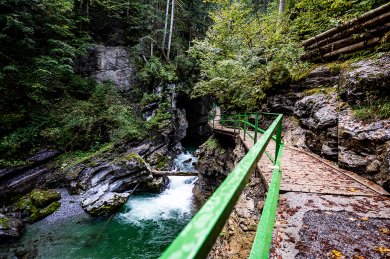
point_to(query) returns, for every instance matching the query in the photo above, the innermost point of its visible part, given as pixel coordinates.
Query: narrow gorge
(194, 129)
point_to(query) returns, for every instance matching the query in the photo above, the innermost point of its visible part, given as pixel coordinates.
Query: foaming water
(175, 201)
(184, 162)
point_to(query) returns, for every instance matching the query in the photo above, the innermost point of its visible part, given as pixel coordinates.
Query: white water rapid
(174, 202)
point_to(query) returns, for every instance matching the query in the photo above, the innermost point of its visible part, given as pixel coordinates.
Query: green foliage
(149, 98)
(378, 109)
(312, 17)
(77, 124)
(70, 159)
(161, 119)
(249, 53)
(319, 90)
(244, 55)
(154, 72)
(210, 145)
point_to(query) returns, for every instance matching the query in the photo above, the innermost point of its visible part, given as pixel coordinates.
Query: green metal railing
(197, 238)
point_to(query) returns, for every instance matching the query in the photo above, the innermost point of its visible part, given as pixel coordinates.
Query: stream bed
(143, 227)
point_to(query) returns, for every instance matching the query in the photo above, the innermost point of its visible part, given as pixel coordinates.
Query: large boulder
(107, 182)
(104, 202)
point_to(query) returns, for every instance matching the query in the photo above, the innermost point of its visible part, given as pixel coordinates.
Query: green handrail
(197, 238)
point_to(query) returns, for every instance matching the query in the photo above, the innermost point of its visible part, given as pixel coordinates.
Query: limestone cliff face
(322, 103)
(109, 64)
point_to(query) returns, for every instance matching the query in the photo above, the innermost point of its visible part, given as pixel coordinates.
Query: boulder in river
(104, 202)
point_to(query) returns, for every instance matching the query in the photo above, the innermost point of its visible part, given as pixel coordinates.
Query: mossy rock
(42, 213)
(4, 222)
(42, 198)
(130, 157)
(38, 204)
(162, 161)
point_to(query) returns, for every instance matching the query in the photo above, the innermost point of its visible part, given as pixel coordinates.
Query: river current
(143, 228)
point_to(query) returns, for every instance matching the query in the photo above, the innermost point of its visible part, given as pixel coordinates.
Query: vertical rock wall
(109, 64)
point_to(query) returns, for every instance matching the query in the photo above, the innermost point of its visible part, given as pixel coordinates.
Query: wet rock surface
(107, 184)
(311, 225)
(104, 202)
(216, 159)
(10, 228)
(345, 232)
(365, 80)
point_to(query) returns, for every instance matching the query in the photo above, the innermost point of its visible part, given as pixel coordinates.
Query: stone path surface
(315, 188)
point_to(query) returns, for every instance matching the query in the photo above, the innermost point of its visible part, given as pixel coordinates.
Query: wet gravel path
(345, 232)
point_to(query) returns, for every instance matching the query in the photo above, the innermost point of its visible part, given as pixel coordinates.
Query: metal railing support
(278, 138)
(245, 126)
(256, 126)
(262, 243)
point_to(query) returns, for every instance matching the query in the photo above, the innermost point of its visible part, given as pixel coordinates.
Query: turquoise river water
(143, 228)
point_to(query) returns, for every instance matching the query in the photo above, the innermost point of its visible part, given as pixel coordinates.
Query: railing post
(256, 126)
(234, 123)
(245, 129)
(239, 123)
(278, 138)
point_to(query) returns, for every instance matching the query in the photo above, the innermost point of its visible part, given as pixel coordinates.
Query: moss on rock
(38, 204)
(42, 213)
(42, 198)
(162, 161)
(4, 222)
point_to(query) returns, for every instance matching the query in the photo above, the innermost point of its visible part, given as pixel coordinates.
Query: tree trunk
(371, 15)
(348, 41)
(281, 6)
(165, 26)
(318, 57)
(171, 29)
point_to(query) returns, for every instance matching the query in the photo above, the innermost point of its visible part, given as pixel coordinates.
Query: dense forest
(234, 51)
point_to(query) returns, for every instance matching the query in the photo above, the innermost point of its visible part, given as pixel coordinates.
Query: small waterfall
(174, 202)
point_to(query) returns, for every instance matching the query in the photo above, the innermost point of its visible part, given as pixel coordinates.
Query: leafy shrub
(378, 109)
(162, 118)
(154, 72)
